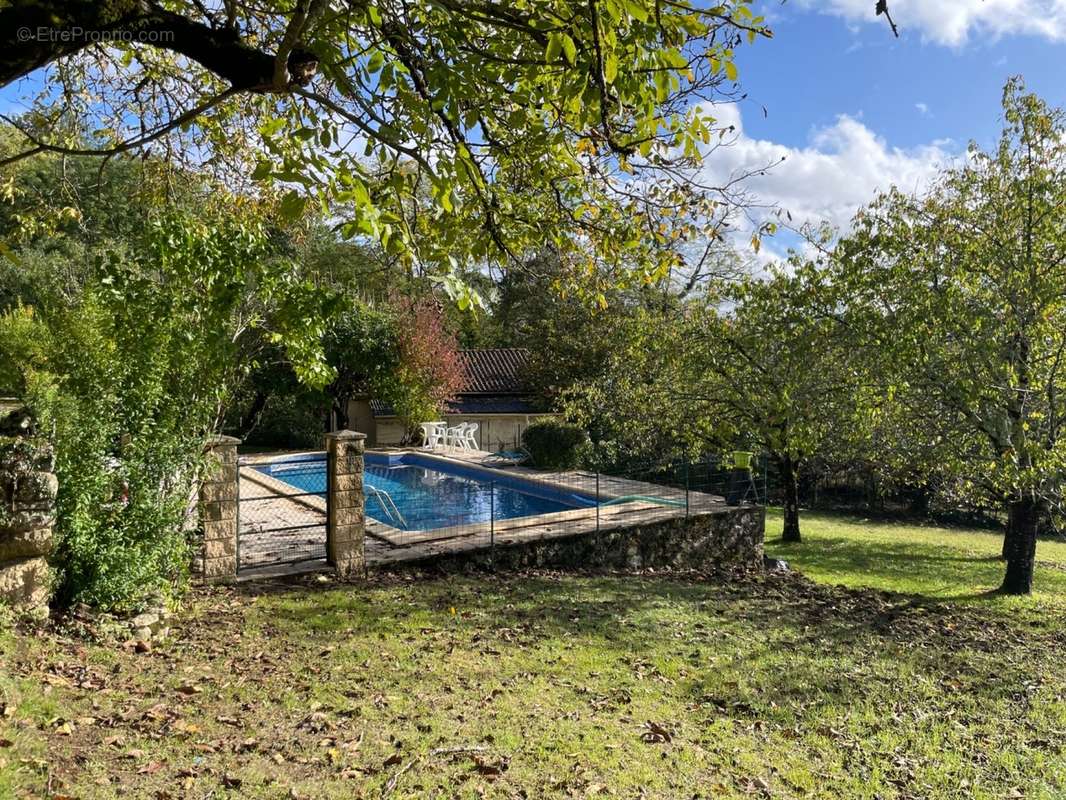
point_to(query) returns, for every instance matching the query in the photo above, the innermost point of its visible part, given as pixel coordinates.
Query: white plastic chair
(454, 436)
(468, 438)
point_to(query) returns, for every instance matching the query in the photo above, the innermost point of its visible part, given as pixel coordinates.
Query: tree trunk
(1020, 546)
(920, 500)
(250, 418)
(791, 530)
(340, 413)
(1007, 531)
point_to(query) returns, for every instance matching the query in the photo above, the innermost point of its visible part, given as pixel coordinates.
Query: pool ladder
(387, 505)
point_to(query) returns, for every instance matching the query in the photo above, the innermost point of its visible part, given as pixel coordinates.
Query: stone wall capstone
(27, 511)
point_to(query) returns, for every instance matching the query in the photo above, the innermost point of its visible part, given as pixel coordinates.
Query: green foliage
(568, 338)
(773, 369)
(555, 444)
(133, 374)
(958, 296)
(126, 455)
(290, 421)
(480, 135)
(640, 408)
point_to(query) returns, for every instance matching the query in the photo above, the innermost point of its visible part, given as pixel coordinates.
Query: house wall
(360, 418)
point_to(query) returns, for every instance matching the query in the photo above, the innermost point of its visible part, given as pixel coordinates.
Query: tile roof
(494, 383)
(471, 405)
(495, 371)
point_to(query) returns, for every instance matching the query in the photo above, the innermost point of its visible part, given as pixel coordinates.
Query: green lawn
(543, 685)
(951, 564)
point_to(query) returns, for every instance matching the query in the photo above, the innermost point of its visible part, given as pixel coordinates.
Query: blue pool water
(430, 494)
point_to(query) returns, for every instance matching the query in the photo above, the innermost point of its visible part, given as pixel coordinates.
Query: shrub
(290, 422)
(555, 444)
(132, 374)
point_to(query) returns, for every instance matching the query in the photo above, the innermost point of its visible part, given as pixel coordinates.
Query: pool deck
(266, 502)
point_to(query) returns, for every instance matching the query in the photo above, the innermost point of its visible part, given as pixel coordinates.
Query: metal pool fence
(283, 505)
(470, 507)
(282, 512)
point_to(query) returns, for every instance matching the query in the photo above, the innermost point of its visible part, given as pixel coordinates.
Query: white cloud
(843, 166)
(957, 22)
(923, 109)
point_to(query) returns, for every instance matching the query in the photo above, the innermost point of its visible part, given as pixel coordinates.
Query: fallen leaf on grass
(395, 758)
(489, 769)
(654, 733)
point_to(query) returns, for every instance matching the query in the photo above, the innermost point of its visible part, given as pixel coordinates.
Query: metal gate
(282, 507)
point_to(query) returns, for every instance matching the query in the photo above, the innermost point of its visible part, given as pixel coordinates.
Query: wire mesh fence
(459, 500)
(421, 501)
(282, 511)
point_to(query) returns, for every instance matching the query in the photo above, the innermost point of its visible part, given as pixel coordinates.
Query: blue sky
(821, 65)
(853, 110)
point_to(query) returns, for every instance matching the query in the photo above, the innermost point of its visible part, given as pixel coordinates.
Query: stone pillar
(218, 509)
(27, 511)
(345, 529)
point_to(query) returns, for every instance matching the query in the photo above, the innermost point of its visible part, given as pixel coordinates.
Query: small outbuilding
(495, 394)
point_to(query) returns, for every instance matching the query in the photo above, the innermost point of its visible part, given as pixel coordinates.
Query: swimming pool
(413, 492)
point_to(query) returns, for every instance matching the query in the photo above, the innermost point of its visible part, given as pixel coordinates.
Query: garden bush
(290, 422)
(132, 373)
(555, 444)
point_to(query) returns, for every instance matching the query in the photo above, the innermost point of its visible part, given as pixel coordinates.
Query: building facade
(495, 394)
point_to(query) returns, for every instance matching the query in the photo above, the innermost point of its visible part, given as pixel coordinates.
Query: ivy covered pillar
(346, 524)
(218, 509)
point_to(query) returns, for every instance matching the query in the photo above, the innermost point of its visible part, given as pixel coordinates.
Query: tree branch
(130, 144)
(38, 33)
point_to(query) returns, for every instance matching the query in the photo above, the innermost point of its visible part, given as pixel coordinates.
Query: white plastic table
(431, 429)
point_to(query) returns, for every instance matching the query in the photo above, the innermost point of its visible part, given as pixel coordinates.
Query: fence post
(218, 508)
(686, 486)
(597, 501)
(346, 504)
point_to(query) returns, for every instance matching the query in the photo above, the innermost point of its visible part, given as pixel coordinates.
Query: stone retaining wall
(730, 537)
(27, 511)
